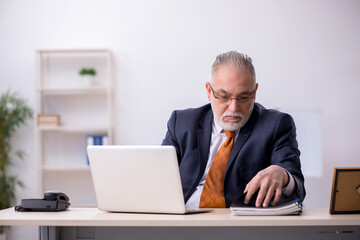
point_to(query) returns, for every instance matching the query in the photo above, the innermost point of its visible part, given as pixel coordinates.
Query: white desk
(90, 223)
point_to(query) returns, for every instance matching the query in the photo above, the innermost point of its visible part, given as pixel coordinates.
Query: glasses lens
(244, 99)
(226, 98)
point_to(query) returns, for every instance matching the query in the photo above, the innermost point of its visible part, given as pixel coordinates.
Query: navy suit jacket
(268, 138)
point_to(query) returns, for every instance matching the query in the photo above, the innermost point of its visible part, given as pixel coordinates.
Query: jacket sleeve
(170, 137)
(285, 152)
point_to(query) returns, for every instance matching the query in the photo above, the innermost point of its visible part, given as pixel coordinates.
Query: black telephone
(52, 202)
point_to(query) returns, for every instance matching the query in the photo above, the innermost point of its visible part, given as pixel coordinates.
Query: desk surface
(219, 217)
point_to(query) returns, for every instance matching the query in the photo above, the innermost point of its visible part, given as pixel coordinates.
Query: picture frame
(345, 193)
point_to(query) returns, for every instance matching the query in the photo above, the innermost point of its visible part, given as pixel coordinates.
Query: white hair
(240, 61)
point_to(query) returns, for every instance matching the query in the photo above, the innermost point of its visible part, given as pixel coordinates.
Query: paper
(293, 208)
(286, 206)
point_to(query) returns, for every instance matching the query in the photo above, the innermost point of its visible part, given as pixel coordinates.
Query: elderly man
(234, 145)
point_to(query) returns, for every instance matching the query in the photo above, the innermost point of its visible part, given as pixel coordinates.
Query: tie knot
(229, 134)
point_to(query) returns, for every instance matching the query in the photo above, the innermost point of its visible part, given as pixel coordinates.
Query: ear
(208, 90)
(256, 88)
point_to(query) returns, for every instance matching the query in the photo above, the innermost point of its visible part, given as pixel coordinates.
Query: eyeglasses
(243, 98)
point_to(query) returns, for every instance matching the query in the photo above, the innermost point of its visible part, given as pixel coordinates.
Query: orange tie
(212, 195)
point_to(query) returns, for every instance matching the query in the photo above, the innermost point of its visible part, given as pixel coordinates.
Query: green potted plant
(87, 75)
(14, 111)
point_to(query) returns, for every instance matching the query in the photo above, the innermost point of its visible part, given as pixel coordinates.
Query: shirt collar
(216, 128)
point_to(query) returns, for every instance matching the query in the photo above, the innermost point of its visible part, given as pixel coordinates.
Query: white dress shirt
(218, 137)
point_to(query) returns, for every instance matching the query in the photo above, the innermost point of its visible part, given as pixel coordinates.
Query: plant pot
(87, 80)
(3, 236)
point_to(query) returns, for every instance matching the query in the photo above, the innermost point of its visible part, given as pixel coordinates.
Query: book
(48, 120)
(96, 140)
(48, 124)
(286, 206)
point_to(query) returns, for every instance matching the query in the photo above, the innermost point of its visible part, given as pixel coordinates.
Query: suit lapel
(244, 134)
(204, 138)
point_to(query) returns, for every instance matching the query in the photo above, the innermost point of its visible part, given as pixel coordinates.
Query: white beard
(233, 126)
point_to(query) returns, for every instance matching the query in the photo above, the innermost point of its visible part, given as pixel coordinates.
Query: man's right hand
(270, 181)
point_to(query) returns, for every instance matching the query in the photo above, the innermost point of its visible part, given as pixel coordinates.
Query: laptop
(142, 179)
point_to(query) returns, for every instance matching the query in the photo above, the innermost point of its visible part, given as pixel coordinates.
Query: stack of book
(48, 120)
(96, 140)
(286, 206)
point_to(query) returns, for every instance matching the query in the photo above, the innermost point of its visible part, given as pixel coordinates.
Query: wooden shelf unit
(83, 109)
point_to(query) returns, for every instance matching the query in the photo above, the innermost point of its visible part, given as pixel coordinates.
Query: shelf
(75, 91)
(85, 51)
(83, 109)
(84, 168)
(73, 129)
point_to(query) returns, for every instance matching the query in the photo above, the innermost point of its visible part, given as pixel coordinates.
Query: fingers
(273, 193)
(250, 189)
(261, 196)
(270, 182)
(277, 197)
(267, 196)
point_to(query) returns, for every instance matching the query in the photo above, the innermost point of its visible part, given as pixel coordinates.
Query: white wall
(306, 54)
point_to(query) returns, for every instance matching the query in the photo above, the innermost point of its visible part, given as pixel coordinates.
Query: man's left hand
(270, 180)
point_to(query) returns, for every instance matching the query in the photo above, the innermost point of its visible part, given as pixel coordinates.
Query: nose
(234, 105)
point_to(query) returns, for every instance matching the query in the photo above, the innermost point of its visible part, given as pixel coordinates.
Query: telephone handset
(52, 202)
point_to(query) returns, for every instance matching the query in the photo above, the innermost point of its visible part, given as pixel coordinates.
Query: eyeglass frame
(249, 95)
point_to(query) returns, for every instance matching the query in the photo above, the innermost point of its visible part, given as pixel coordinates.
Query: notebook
(286, 206)
(142, 179)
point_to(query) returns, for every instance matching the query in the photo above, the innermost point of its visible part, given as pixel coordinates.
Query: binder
(95, 140)
(286, 206)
